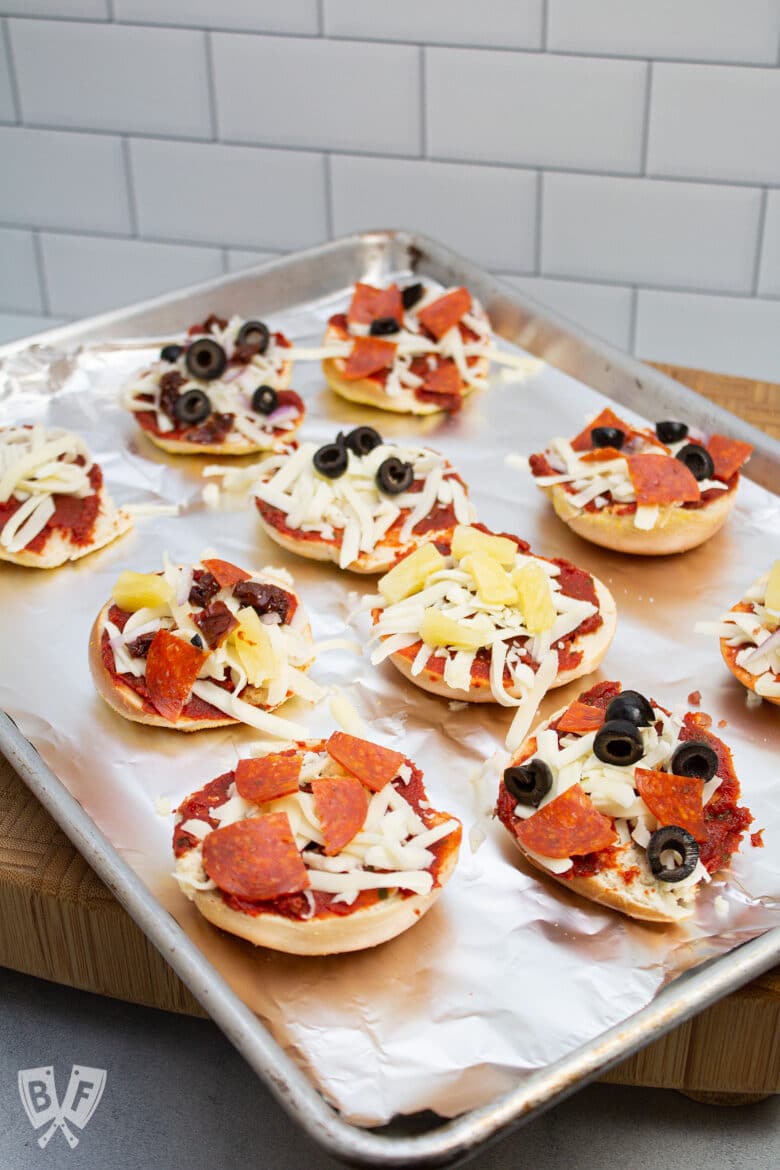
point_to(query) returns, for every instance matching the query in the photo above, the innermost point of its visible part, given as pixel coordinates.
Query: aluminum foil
(508, 971)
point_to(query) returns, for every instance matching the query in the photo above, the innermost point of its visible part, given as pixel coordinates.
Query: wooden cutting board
(59, 922)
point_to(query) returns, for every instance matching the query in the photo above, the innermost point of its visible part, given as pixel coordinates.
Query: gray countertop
(177, 1096)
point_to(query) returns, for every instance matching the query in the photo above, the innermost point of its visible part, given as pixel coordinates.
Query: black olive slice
(206, 359)
(171, 353)
(528, 783)
(607, 437)
(265, 400)
(694, 758)
(331, 460)
(679, 841)
(193, 406)
(411, 295)
(197, 641)
(633, 707)
(382, 325)
(619, 743)
(254, 333)
(670, 431)
(363, 440)
(394, 476)
(698, 460)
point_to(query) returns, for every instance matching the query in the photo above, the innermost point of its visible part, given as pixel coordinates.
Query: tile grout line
(423, 103)
(539, 223)
(545, 24)
(40, 267)
(328, 181)
(110, 10)
(132, 206)
(321, 17)
(12, 77)
(291, 34)
(645, 147)
(759, 241)
(211, 87)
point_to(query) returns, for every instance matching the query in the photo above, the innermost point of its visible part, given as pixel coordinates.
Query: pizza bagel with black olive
(325, 847)
(359, 501)
(223, 391)
(624, 803)
(637, 490)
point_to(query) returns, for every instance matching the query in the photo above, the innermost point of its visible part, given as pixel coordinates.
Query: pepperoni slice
(215, 623)
(369, 355)
(368, 303)
(445, 379)
(607, 418)
(569, 826)
(372, 764)
(728, 455)
(226, 574)
(341, 803)
(268, 777)
(442, 314)
(673, 800)
(255, 859)
(581, 718)
(172, 665)
(662, 479)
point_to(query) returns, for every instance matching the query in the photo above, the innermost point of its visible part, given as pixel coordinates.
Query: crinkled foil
(508, 971)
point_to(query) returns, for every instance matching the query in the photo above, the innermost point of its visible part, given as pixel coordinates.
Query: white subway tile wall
(618, 160)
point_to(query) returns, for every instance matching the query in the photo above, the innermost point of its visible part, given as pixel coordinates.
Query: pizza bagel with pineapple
(624, 803)
(750, 636)
(638, 490)
(481, 618)
(360, 501)
(204, 645)
(324, 847)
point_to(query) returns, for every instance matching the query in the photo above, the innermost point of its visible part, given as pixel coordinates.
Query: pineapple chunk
(436, 629)
(772, 599)
(411, 574)
(494, 585)
(535, 597)
(135, 591)
(252, 646)
(470, 540)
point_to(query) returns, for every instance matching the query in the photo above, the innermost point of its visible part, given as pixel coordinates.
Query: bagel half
(620, 877)
(306, 920)
(59, 549)
(370, 392)
(197, 714)
(683, 528)
(756, 604)
(593, 646)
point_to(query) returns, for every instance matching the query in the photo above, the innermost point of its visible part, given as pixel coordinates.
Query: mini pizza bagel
(54, 507)
(325, 847)
(750, 636)
(481, 618)
(224, 391)
(623, 803)
(359, 501)
(408, 350)
(203, 645)
(642, 491)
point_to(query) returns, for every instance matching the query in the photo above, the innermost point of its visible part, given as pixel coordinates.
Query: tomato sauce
(73, 516)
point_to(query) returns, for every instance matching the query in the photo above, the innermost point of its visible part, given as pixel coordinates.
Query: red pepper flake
(694, 698)
(723, 723)
(369, 355)
(757, 839)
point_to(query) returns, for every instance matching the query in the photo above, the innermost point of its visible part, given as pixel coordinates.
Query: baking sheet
(506, 973)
